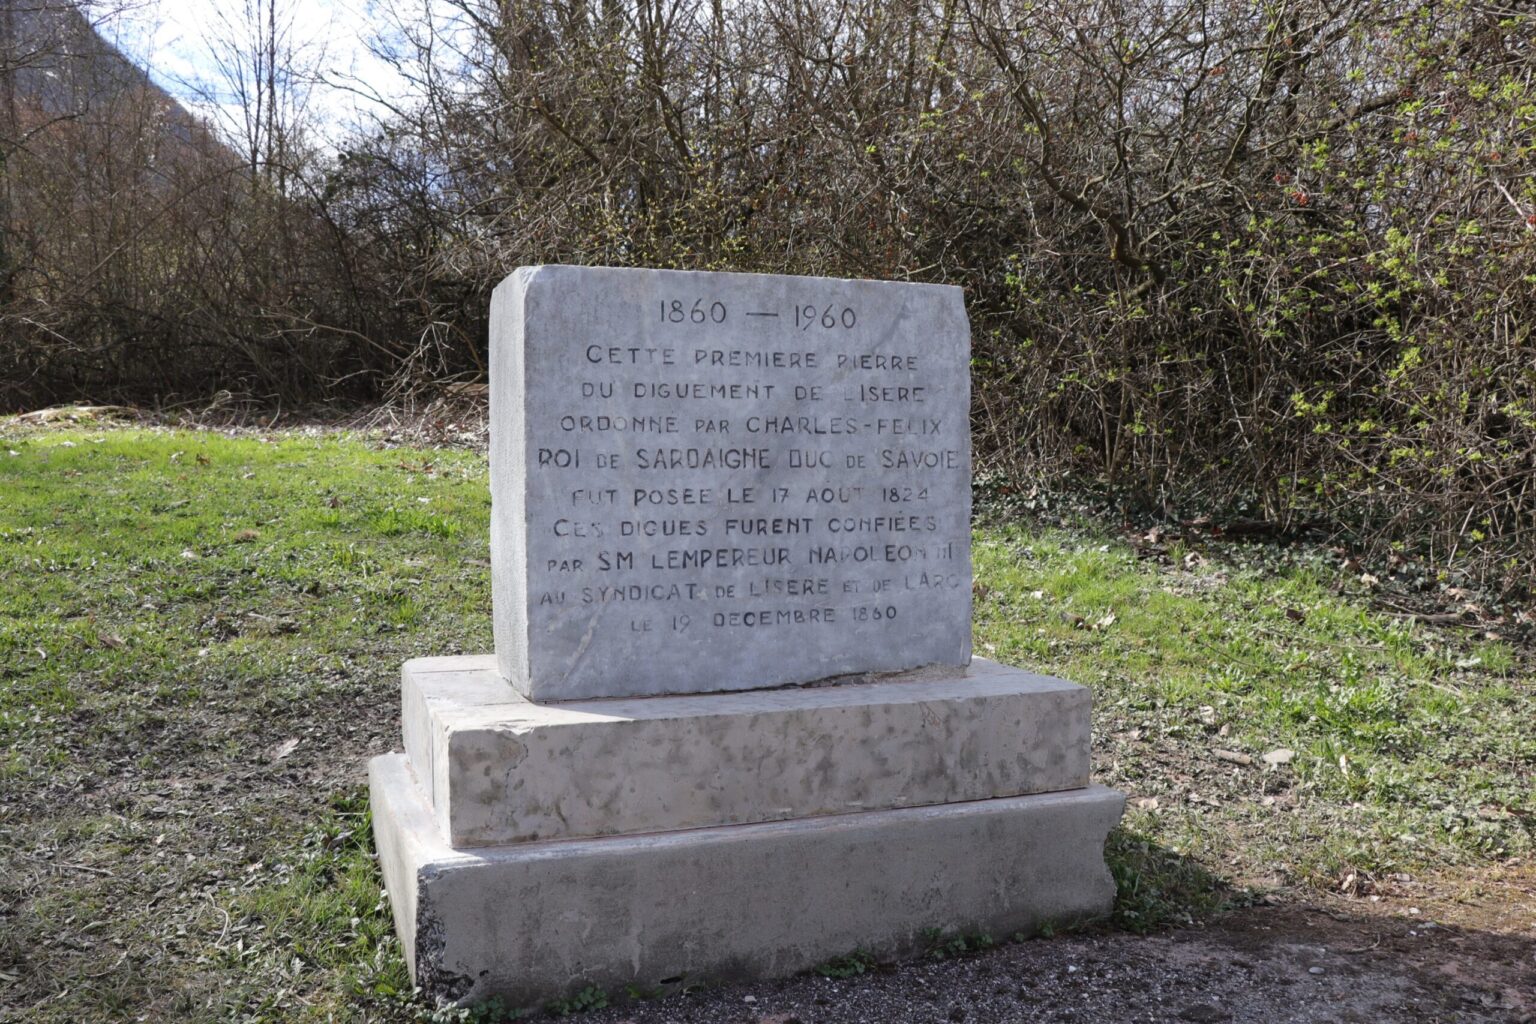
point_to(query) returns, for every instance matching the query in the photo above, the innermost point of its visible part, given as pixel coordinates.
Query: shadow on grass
(1156, 887)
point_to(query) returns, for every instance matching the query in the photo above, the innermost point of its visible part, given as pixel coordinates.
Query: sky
(177, 42)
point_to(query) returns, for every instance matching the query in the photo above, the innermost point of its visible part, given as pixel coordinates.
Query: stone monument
(732, 727)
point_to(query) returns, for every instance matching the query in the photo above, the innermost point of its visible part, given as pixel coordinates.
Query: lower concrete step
(533, 922)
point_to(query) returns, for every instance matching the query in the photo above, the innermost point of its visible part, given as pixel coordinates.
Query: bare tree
(1271, 255)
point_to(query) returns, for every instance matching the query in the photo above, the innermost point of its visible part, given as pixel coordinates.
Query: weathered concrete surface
(705, 481)
(537, 921)
(498, 768)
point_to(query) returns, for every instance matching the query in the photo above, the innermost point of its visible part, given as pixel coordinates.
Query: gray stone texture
(497, 768)
(706, 481)
(707, 490)
(534, 922)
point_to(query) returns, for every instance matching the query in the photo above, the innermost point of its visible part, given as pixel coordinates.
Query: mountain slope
(55, 64)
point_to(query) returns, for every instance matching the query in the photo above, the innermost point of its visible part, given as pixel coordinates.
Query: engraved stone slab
(498, 768)
(725, 481)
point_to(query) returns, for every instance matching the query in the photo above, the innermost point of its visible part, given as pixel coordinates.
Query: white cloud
(185, 44)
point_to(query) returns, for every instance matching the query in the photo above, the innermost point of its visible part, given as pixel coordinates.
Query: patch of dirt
(1349, 963)
(115, 877)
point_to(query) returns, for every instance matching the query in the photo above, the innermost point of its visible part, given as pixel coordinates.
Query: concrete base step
(536, 921)
(498, 768)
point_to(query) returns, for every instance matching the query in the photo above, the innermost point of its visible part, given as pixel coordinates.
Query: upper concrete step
(500, 769)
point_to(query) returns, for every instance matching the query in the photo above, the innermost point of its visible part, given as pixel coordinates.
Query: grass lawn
(200, 638)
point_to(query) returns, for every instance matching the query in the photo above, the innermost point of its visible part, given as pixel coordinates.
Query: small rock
(1314, 970)
(1280, 756)
(283, 749)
